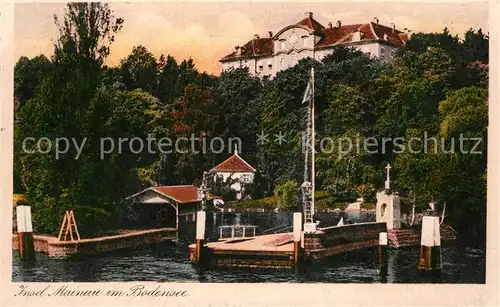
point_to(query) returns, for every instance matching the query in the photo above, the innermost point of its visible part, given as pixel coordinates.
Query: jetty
(56, 248)
(277, 250)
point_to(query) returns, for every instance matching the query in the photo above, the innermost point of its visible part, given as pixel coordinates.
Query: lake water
(169, 262)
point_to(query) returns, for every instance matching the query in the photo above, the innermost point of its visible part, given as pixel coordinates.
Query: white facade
(239, 179)
(267, 56)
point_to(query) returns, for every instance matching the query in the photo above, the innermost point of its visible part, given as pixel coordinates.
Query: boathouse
(163, 206)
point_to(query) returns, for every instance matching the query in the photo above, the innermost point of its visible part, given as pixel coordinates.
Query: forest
(436, 85)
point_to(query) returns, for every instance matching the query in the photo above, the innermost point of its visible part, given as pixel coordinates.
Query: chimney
(309, 14)
(270, 33)
(238, 50)
(256, 36)
(376, 19)
(330, 25)
(339, 23)
(393, 27)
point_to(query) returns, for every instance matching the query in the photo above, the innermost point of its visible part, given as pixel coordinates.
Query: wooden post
(436, 250)
(25, 233)
(430, 245)
(382, 253)
(177, 220)
(200, 234)
(297, 235)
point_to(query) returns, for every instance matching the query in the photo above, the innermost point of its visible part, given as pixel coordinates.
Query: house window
(304, 41)
(282, 63)
(246, 178)
(261, 67)
(282, 45)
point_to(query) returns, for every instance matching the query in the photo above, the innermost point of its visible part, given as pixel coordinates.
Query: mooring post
(430, 245)
(382, 253)
(25, 233)
(200, 234)
(436, 255)
(297, 235)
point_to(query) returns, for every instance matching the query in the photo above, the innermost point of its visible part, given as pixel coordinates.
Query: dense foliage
(434, 89)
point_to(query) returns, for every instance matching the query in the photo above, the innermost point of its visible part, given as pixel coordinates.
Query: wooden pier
(277, 250)
(271, 251)
(125, 239)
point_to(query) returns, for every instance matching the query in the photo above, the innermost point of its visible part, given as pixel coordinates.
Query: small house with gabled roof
(162, 206)
(237, 169)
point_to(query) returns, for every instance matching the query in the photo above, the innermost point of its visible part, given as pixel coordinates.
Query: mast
(313, 142)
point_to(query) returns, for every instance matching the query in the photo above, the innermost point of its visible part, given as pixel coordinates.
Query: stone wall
(347, 238)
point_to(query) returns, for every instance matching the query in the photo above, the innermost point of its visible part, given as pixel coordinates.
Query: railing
(278, 229)
(237, 231)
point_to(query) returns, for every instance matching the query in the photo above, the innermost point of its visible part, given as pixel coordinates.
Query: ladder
(67, 226)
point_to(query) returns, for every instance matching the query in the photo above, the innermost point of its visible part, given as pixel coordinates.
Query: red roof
(393, 35)
(255, 48)
(182, 193)
(310, 23)
(333, 35)
(371, 31)
(234, 164)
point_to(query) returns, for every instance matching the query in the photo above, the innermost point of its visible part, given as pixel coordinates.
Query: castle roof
(329, 37)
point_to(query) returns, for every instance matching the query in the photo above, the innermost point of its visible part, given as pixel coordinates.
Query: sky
(208, 31)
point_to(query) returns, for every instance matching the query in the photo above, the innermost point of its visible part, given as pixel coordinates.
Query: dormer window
(357, 36)
(304, 41)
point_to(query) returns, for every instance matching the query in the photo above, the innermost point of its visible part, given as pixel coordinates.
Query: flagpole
(313, 142)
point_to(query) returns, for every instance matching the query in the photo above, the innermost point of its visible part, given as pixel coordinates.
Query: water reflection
(170, 262)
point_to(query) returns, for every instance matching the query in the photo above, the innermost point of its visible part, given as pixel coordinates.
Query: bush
(287, 194)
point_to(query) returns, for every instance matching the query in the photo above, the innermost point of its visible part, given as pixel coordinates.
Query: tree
(60, 108)
(475, 46)
(140, 70)
(87, 31)
(28, 75)
(287, 194)
(236, 94)
(167, 80)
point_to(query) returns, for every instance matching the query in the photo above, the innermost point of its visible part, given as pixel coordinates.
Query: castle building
(308, 38)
